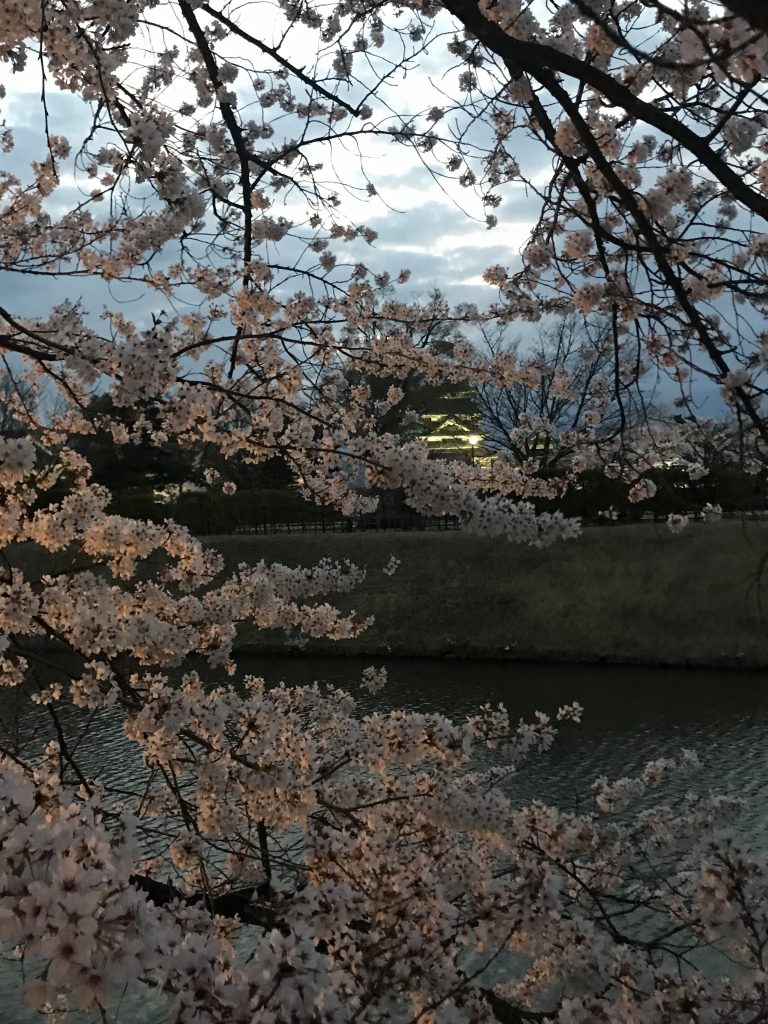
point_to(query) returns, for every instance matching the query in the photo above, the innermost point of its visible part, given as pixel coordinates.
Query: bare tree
(573, 384)
(18, 402)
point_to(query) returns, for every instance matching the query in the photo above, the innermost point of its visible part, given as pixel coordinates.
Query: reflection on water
(631, 715)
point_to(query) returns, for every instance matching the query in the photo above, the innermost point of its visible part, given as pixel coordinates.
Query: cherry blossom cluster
(286, 854)
(397, 872)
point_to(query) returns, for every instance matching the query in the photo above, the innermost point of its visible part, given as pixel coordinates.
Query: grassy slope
(627, 593)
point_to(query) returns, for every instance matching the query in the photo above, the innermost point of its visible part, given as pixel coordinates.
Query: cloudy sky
(438, 233)
(436, 230)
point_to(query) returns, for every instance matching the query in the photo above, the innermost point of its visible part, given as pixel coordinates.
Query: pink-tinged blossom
(676, 523)
(326, 862)
(643, 490)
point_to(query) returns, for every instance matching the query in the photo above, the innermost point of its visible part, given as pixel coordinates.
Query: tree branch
(532, 57)
(754, 12)
(278, 58)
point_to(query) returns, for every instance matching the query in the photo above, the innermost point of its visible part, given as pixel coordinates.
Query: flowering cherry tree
(283, 856)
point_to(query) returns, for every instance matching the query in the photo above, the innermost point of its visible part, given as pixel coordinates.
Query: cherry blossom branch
(533, 57)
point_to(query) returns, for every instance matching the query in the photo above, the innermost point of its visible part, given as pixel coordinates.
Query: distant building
(452, 428)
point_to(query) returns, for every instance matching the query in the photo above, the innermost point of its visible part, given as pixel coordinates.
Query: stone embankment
(619, 594)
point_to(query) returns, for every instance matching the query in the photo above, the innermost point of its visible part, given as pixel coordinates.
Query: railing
(661, 517)
(372, 522)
